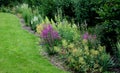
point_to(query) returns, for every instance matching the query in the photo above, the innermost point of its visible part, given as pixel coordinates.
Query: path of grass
(19, 52)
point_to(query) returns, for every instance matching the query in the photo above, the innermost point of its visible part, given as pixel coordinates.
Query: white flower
(24, 5)
(17, 6)
(74, 26)
(31, 22)
(35, 18)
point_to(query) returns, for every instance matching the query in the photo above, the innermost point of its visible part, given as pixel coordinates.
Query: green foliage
(107, 61)
(81, 55)
(35, 21)
(68, 31)
(65, 29)
(67, 8)
(85, 10)
(10, 2)
(47, 8)
(81, 58)
(82, 8)
(33, 3)
(27, 16)
(109, 13)
(26, 13)
(5, 9)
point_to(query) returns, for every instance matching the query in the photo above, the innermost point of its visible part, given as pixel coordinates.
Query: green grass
(19, 50)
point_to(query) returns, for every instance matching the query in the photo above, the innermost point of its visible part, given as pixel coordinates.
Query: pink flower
(49, 33)
(86, 36)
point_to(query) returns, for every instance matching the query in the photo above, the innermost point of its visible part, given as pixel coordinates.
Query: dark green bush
(109, 13)
(85, 10)
(33, 3)
(47, 8)
(10, 2)
(5, 9)
(66, 6)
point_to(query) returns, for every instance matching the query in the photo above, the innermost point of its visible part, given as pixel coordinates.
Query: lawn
(19, 49)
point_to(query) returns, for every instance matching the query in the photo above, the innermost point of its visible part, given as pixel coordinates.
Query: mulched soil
(26, 27)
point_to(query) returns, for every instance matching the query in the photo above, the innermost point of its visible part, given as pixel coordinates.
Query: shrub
(35, 21)
(47, 8)
(85, 55)
(5, 9)
(66, 6)
(10, 2)
(84, 59)
(109, 13)
(33, 3)
(67, 31)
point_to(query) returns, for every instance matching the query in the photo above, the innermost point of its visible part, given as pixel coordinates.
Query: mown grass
(19, 50)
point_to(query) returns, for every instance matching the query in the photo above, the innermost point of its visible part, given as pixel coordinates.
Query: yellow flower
(75, 50)
(39, 28)
(84, 41)
(96, 65)
(94, 52)
(100, 48)
(101, 69)
(64, 43)
(87, 53)
(57, 49)
(71, 45)
(86, 48)
(81, 60)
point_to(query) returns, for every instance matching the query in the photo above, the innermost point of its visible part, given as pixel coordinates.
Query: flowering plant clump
(34, 22)
(88, 36)
(91, 39)
(49, 33)
(39, 28)
(50, 37)
(84, 59)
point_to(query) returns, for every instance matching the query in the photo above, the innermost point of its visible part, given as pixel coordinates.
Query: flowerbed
(80, 51)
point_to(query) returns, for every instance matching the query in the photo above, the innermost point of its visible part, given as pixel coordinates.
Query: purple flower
(55, 35)
(86, 36)
(49, 34)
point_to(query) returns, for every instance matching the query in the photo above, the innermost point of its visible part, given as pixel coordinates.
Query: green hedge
(10, 2)
(109, 13)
